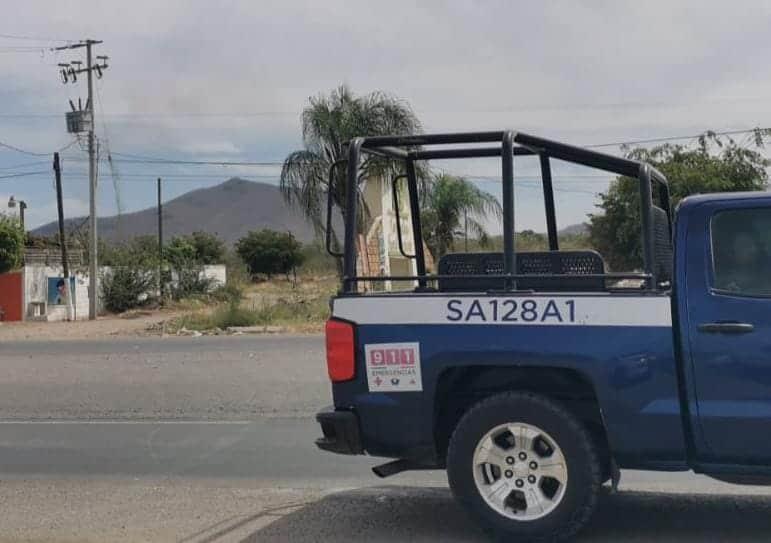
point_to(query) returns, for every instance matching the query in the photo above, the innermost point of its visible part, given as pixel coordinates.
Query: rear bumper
(341, 431)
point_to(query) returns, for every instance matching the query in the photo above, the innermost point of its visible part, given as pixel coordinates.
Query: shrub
(234, 315)
(209, 249)
(11, 243)
(201, 248)
(222, 318)
(139, 251)
(269, 252)
(316, 260)
(231, 292)
(127, 287)
(190, 282)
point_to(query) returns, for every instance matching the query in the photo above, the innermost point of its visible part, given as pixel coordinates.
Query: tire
(490, 466)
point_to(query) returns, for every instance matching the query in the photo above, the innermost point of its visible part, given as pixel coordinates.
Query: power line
(160, 160)
(23, 50)
(25, 165)
(675, 138)
(501, 109)
(23, 174)
(156, 160)
(22, 151)
(179, 176)
(31, 153)
(142, 159)
(31, 38)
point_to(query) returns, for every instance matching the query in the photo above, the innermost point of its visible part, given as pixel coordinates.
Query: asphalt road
(211, 439)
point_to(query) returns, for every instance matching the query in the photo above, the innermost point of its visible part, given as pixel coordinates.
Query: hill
(229, 210)
(580, 229)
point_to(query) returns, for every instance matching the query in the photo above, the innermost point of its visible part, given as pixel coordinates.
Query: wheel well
(460, 388)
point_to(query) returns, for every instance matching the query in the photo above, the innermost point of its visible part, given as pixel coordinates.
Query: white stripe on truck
(535, 310)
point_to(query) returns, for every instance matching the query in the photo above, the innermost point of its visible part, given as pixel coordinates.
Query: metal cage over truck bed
(509, 271)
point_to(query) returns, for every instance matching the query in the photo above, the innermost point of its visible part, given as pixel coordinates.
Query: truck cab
(723, 303)
(534, 377)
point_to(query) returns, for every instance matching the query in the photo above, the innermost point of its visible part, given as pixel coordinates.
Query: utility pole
(62, 238)
(160, 241)
(86, 123)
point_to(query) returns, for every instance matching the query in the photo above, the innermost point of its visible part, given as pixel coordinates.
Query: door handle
(726, 327)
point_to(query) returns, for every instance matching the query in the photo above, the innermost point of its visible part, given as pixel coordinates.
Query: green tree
(714, 165)
(180, 252)
(448, 204)
(328, 123)
(139, 251)
(11, 243)
(269, 252)
(209, 249)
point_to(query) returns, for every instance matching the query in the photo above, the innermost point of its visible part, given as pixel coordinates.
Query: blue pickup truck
(534, 378)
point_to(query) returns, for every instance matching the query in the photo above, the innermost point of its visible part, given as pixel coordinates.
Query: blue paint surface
(630, 367)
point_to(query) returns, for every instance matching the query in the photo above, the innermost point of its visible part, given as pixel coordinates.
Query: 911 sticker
(393, 367)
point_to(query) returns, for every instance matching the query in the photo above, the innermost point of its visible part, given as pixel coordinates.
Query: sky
(227, 81)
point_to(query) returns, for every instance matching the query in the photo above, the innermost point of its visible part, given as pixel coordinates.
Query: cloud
(230, 78)
(212, 149)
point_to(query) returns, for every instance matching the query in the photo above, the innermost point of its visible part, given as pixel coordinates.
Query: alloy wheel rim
(520, 471)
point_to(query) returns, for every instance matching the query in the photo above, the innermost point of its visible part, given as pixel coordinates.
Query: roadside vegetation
(11, 243)
(299, 302)
(275, 281)
(272, 281)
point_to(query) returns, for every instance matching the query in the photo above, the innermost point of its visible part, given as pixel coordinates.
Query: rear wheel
(524, 467)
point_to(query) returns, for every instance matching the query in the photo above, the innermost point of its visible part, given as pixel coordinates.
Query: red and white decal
(393, 367)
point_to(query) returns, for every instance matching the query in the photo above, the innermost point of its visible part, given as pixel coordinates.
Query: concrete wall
(36, 293)
(217, 272)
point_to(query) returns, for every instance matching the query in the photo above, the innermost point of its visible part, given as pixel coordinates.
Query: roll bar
(408, 149)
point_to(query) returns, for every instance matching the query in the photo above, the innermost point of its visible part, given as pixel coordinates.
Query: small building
(379, 252)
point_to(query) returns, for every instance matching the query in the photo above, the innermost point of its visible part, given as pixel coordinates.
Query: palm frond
(303, 183)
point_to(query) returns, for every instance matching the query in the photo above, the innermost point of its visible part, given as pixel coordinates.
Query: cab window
(741, 251)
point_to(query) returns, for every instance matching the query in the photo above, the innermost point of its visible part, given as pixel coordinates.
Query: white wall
(217, 272)
(36, 288)
(36, 291)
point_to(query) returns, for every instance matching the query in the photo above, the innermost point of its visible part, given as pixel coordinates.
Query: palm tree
(329, 122)
(451, 203)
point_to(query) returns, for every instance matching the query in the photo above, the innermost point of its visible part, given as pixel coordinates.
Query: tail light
(340, 351)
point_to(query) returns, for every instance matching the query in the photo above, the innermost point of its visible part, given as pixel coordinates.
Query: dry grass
(300, 307)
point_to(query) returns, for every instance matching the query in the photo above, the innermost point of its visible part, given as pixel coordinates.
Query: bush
(209, 249)
(139, 251)
(11, 243)
(293, 311)
(237, 270)
(127, 287)
(190, 282)
(200, 248)
(231, 292)
(269, 252)
(222, 318)
(316, 260)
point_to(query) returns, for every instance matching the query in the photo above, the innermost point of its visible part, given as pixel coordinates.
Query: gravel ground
(132, 324)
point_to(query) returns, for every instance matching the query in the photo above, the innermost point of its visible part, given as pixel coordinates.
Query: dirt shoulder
(131, 324)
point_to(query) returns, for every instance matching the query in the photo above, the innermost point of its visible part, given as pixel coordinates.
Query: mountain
(229, 210)
(579, 229)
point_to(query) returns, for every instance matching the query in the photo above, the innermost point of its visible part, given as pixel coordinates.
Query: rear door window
(741, 251)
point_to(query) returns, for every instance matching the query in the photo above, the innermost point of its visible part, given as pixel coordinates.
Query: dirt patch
(131, 324)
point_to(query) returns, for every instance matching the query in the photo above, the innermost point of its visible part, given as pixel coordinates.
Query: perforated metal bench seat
(571, 265)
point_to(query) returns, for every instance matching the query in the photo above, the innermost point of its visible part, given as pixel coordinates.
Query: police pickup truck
(534, 378)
